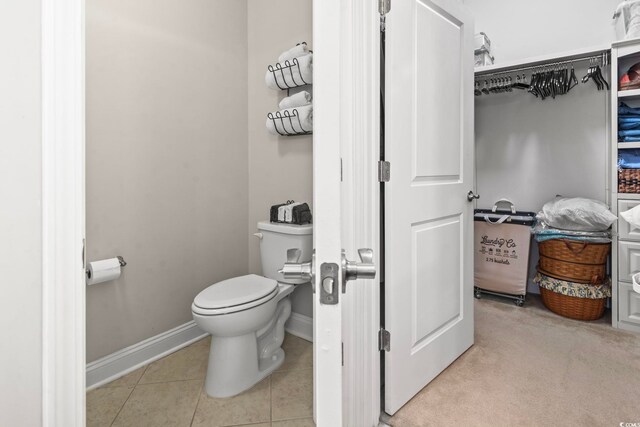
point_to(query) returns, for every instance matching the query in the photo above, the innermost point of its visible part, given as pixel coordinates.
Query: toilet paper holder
(120, 260)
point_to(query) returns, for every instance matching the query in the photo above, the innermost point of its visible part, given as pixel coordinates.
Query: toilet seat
(235, 294)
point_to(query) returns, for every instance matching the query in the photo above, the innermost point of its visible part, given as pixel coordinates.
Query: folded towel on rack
(299, 99)
(288, 211)
(281, 213)
(629, 132)
(629, 159)
(296, 51)
(630, 139)
(291, 121)
(627, 123)
(624, 109)
(290, 74)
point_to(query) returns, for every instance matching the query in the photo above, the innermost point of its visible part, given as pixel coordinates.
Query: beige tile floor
(170, 392)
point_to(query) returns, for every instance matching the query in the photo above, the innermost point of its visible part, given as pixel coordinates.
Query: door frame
(63, 206)
(63, 213)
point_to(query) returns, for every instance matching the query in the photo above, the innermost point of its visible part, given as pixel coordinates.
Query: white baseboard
(300, 326)
(115, 365)
(120, 363)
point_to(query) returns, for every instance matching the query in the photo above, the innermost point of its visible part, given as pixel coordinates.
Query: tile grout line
(193, 417)
(294, 419)
(122, 407)
(171, 381)
(270, 390)
(129, 396)
(291, 370)
(143, 372)
(270, 399)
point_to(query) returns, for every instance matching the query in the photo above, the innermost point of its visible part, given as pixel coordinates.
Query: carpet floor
(530, 367)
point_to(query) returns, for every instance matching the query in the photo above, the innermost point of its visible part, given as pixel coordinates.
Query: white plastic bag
(632, 216)
(577, 214)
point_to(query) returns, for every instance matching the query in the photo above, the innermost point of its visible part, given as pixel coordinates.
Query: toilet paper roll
(103, 271)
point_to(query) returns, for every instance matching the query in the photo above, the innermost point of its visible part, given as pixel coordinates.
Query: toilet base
(224, 380)
(238, 363)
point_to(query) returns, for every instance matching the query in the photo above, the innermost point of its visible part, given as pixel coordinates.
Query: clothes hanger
(521, 82)
(573, 80)
(588, 75)
(599, 77)
(533, 85)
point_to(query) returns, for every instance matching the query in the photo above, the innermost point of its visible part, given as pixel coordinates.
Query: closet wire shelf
(280, 120)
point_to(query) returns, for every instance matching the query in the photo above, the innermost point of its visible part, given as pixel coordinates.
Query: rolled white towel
(294, 52)
(299, 99)
(281, 213)
(291, 121)
(288, 211)
(294, 73)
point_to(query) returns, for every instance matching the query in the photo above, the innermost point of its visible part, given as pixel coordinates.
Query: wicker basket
(572, 272)
(575, 251)
(574, 261)
(572, 307)
(629, 181)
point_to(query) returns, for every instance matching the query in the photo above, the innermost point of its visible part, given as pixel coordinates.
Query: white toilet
(245, 315)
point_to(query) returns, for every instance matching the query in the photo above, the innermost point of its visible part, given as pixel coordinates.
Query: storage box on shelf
(482, 50)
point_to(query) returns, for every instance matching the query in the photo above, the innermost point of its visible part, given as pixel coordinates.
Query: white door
(428, 219)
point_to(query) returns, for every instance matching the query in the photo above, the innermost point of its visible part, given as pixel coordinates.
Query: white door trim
(347, 34)
(63, 213)
(360, 217)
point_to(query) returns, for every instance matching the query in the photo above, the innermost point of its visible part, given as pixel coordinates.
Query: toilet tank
(276, 240)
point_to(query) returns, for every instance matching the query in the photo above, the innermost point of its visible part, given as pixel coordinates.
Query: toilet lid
(235, 291)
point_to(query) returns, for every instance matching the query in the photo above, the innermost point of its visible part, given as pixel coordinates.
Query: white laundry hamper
(501, 251)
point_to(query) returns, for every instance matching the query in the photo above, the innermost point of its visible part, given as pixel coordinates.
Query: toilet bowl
(246, 315)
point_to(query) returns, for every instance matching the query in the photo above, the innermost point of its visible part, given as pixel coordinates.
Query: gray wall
(529, 150)
(179, 165)
(280, 168)
(166, 160)
(20, 215)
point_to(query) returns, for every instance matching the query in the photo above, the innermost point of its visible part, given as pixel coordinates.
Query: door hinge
(384, 340)
(384, 171)
(342, 354)
(341, 169)
(384, 6)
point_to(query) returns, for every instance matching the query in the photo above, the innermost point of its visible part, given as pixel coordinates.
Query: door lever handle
(352, 270)
(292, 269)
(471, 196)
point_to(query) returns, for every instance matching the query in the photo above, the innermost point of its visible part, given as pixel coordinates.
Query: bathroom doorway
(65, 178)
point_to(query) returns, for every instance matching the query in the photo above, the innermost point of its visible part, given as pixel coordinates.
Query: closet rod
(603, 56)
